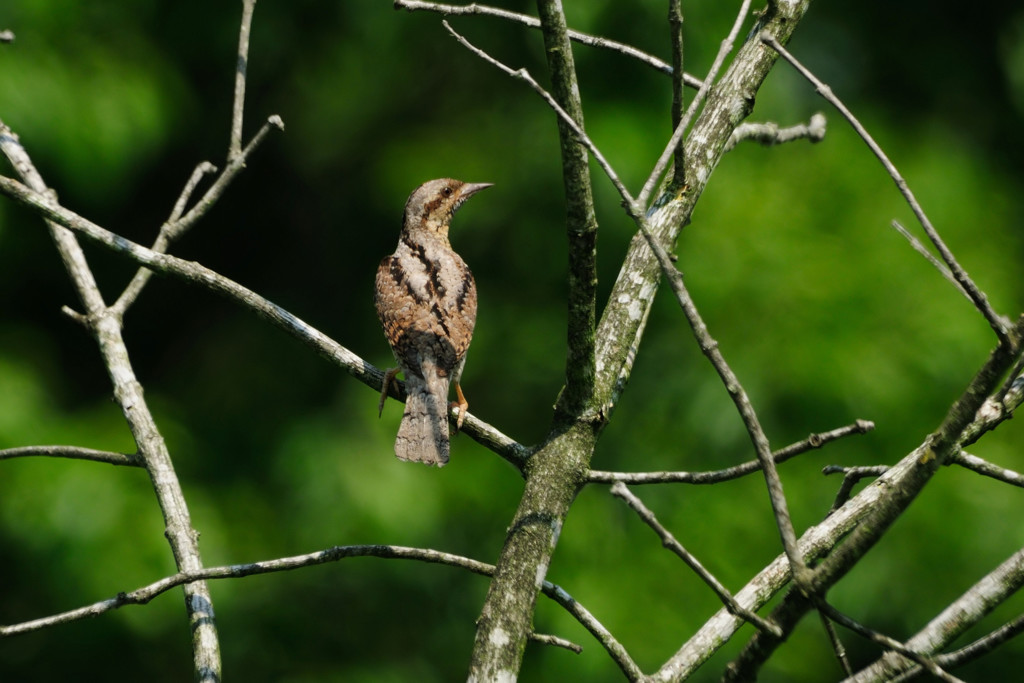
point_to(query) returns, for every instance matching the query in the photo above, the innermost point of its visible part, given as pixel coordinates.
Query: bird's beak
(470, 189)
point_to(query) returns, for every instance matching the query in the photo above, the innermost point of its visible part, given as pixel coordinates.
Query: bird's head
(431, 205)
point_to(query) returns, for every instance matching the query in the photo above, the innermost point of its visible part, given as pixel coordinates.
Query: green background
(825, 313)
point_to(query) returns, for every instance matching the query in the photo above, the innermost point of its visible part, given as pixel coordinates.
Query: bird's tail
(423, 434)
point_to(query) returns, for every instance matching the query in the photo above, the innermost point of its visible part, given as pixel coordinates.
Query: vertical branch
(242, 67)
(106, 329)
(555, 472)
(581, 223)
(675, 23)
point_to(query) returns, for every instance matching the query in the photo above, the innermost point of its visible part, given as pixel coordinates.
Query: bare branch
(555, 641)
(999, 324)
(890, 497)
(708, 345)
(75, 453)
(713, 477)
(997, 408)
(143, 595)
(837, 645)
(670, 542)
(984, 467)
(241, 67)
(612, 646)
(769, 134)
(580, 219)
(923, 251)
(533, 22)
(142, 275)
(675, 25)
(980, 647)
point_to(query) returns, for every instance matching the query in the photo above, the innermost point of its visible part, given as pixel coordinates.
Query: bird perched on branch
(426, 302)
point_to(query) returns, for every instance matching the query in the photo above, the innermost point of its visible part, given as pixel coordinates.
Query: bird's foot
(389, 379)
(461, 406)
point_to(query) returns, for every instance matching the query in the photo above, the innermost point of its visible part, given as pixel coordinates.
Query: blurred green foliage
(825, 313)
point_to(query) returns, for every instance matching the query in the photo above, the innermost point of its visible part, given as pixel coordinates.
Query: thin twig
(944, 271)
(179, 224)
(555, 641)
(145, 594)
(837, 644)
(669, 541)
(142, 275)
(235, 164)
(983, 645)
(851, 476)
(533, 22)
(241, 68)
(886, 501)
(769, 134)
(75, 453)
(884, 640)
(713, 477)
(675, 26)
(997, 408)
(677, 136)
(613, 647)
(203, 168)
(580, 217)
(984, 467)
(198, 274)
(999, 324)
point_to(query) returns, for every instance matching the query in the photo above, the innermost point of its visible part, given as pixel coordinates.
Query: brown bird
(426, 302)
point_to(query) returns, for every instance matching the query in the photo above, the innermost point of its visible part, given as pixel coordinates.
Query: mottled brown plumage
(426, 302)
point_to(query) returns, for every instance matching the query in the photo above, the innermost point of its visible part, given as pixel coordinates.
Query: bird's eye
(447, 191)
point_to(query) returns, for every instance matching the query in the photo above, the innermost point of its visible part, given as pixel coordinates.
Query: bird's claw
(389, 379)
(461, 406)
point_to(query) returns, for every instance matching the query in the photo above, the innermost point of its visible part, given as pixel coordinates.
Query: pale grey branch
(713, 477)
(769, 134)
(74, 453)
